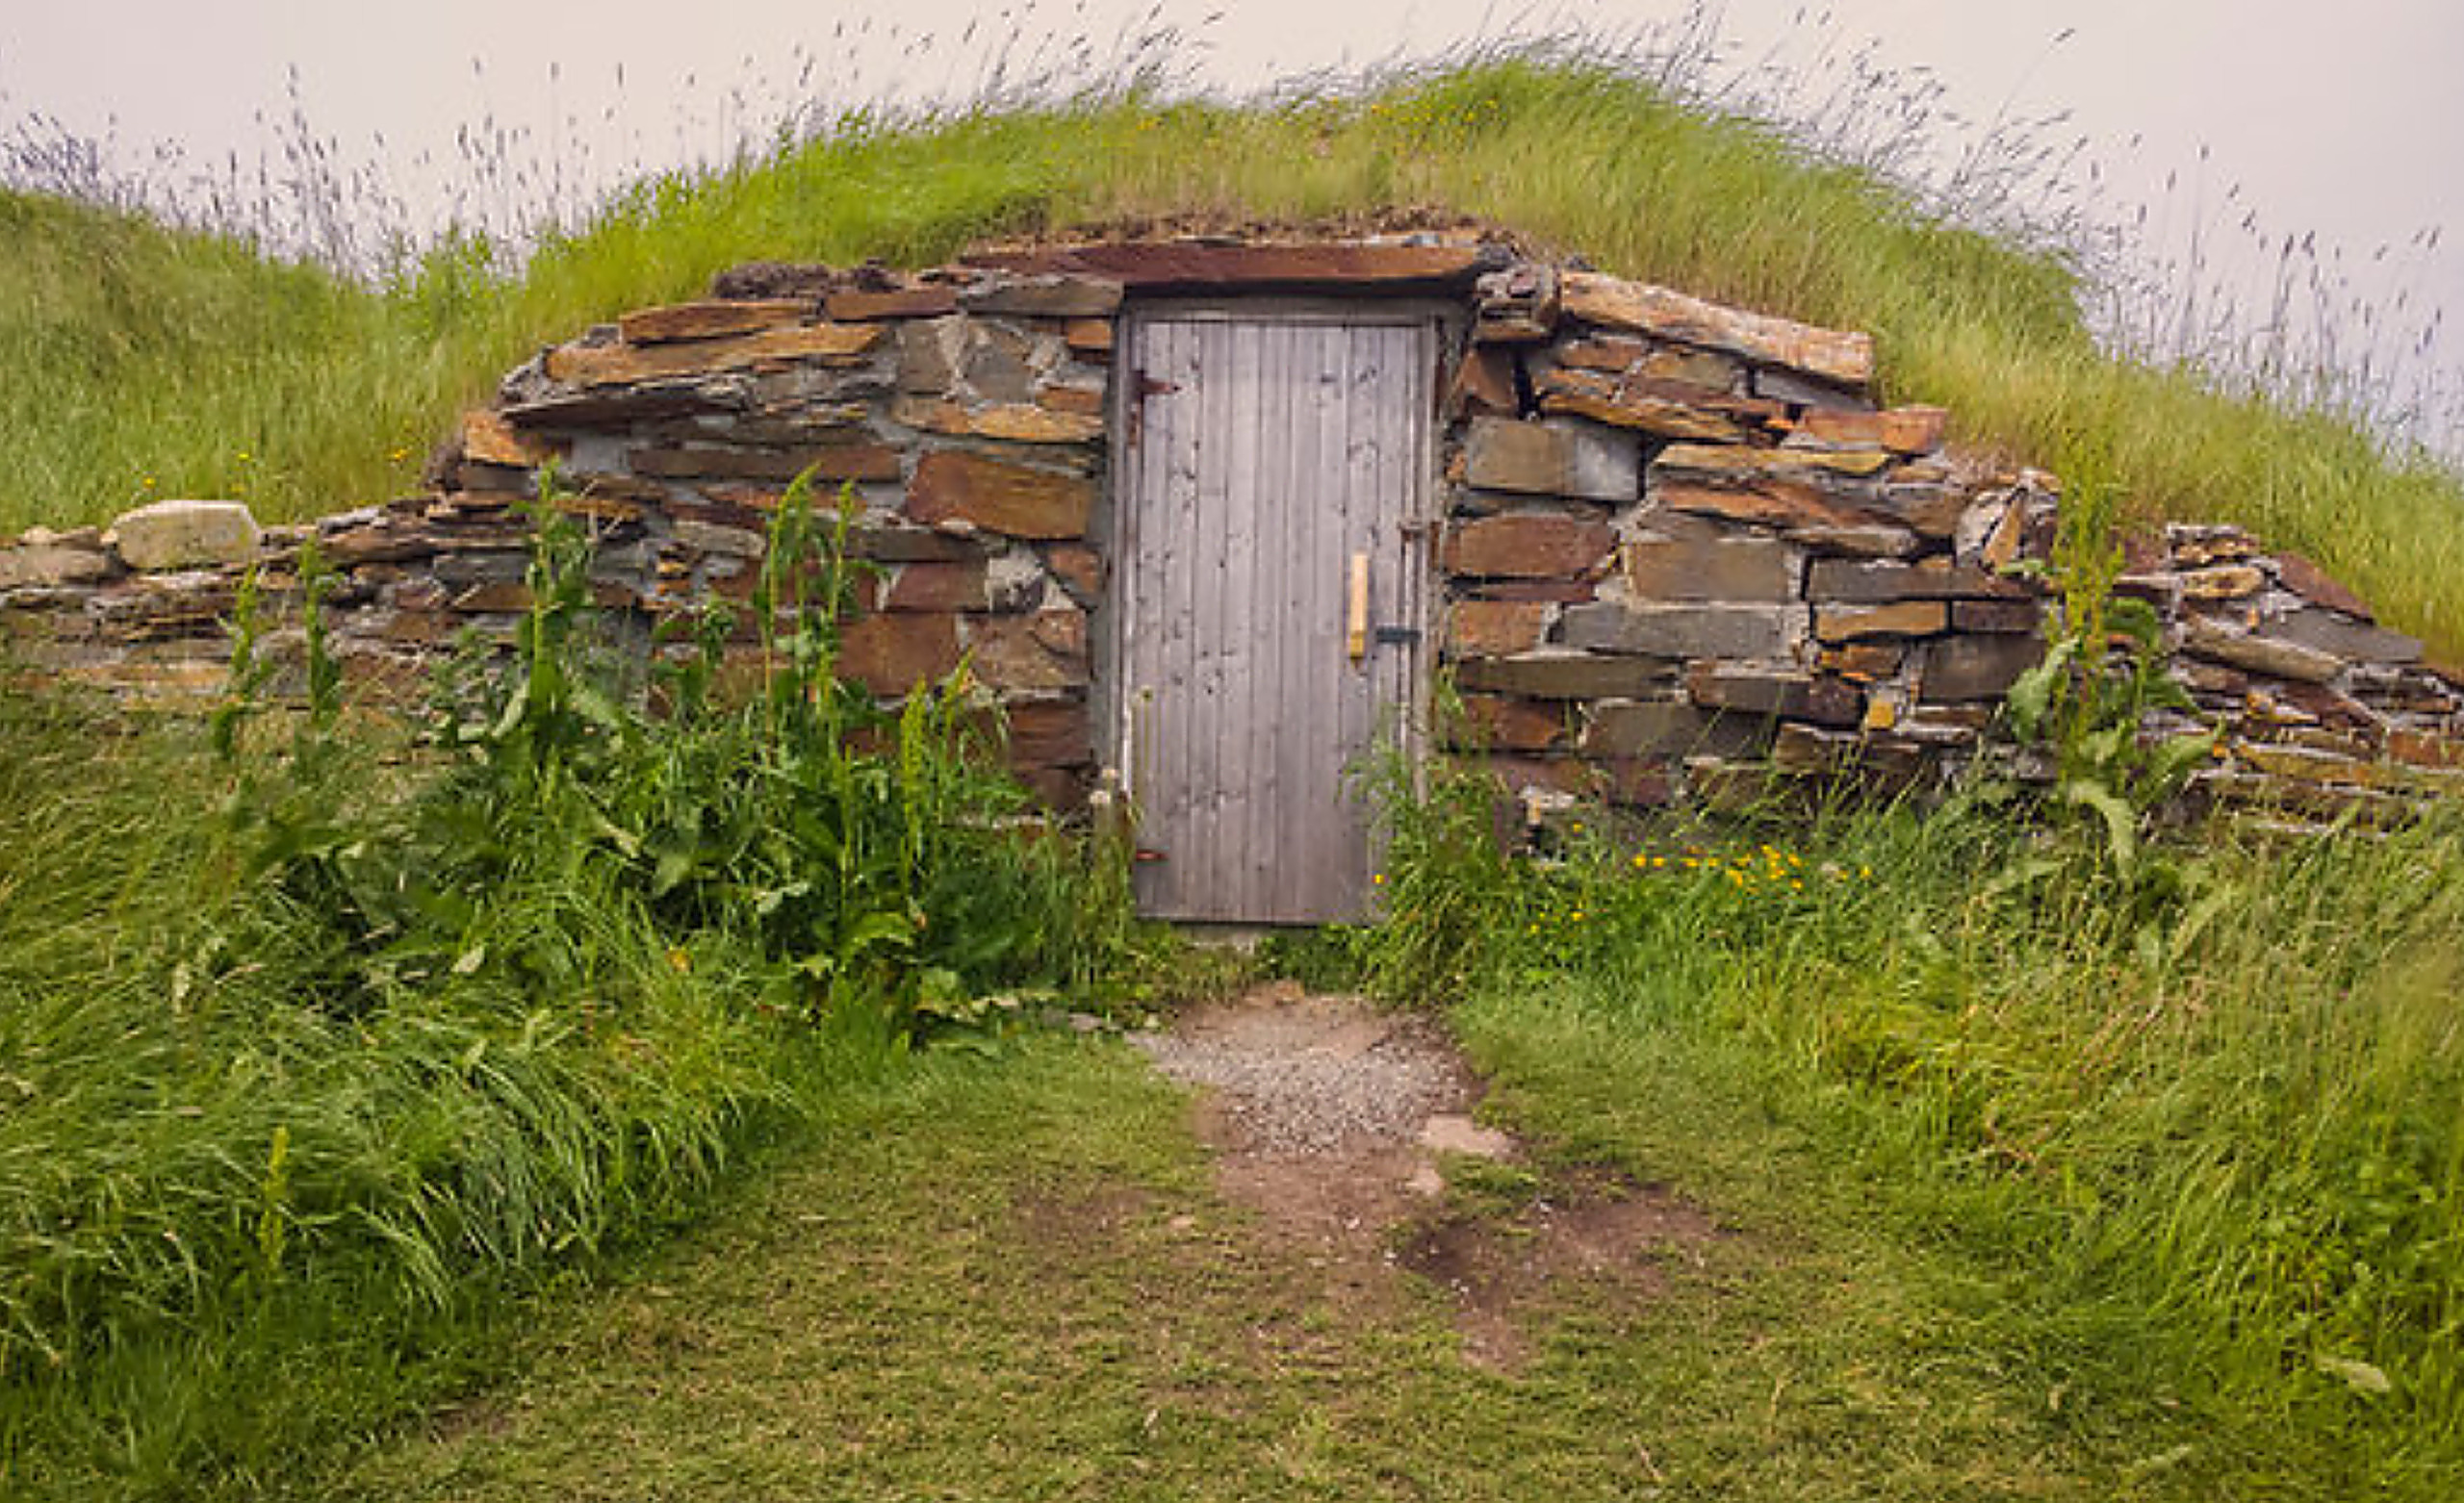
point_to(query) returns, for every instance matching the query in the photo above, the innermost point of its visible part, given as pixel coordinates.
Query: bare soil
(1335, 1123)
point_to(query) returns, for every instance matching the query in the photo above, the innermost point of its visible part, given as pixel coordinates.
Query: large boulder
(182, 534)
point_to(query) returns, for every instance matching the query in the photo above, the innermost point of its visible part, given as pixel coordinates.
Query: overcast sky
(2339, 120)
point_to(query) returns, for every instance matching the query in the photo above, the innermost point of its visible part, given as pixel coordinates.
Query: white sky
(2342, 120)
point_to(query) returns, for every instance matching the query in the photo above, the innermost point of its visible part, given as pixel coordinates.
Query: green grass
(166, 357)
(312, 1055)
(1016, 1283)
(2216, 1112)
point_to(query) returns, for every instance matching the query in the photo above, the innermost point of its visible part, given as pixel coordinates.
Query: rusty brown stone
(1560, 592)
(2306, 580)
(1775, 502)
(1901, 430)
(1482, 384)
(1017, 422)
(611, 365)
(1832, 355)
(1495, 628)
(957, 586)
(1699, 373)
(1007, 655)
(1085, 401)
(1505, 724)
(1863, 662)
(889, 656)
(2423, 749)
(1064, 631)
(2222, 582)
(1080, 568)
(1089, 336)
(1528, 545)
(488, 439)
(711, 320)
(1049, 733)
(1896, 619)
(1777, 692)
(1587, 394)
(999, 497)
(924, 300)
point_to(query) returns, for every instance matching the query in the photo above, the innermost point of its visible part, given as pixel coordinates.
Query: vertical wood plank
(1287, 447)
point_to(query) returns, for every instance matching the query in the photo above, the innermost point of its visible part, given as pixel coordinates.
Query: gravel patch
(1313, 1076)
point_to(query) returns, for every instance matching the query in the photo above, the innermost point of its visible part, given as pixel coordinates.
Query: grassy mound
(177, 364)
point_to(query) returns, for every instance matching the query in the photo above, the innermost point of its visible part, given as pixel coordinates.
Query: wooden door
(1268, 463)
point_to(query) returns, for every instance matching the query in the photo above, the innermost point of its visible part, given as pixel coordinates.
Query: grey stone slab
(1731, 631)
(1558, 457)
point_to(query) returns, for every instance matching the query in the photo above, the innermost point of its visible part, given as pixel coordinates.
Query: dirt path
(1341, 1127)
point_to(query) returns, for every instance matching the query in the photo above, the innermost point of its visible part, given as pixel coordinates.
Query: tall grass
(330, 388)
(2218, 1143)
(304, 1061)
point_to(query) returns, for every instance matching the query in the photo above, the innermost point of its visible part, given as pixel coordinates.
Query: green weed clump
(2213, 1127)
(316, 1045)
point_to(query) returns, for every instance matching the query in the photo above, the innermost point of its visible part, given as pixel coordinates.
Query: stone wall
(1685, 551)
(1689, 554)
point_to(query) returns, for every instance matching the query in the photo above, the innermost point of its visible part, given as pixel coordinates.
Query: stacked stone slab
(1685, 552)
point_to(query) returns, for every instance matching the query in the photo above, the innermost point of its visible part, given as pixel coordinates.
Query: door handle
(1356, 620)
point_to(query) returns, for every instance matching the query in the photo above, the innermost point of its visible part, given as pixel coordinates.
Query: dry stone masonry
(1685, 551)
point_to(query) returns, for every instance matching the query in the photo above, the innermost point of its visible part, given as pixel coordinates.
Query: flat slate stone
(1613, 302)
(1671, 728)
(2333, 631)
(1867, 582)
(1777, 692)
(1505, 723)
(1528, 545)
(612, 364)
(999, 497)
(1565, 675)
(715, 319)
(1603, 399)
(1054, 296)
(1960, 670)
(1015, 422)
(1495, 628)
(1892, 619)
(1733, 631)
(1554, 458)
(1712, 569)
(2269, 655)
(889, 656)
